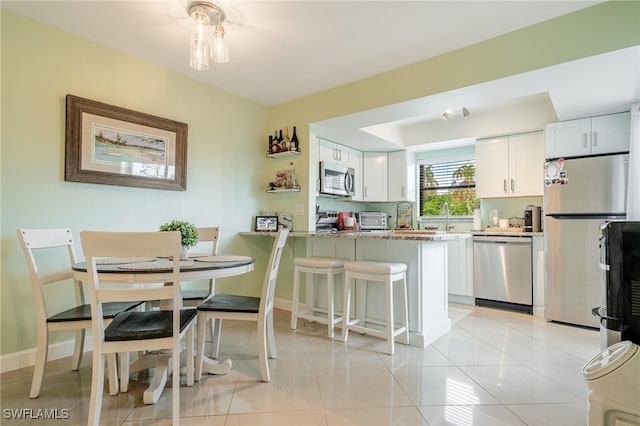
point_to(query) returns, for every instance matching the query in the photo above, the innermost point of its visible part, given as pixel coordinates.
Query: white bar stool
(319, 266)
(387, 273)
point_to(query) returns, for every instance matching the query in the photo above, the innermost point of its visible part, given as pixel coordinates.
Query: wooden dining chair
(51, 247)
(137, 331)
(246, 308)
(194, 297)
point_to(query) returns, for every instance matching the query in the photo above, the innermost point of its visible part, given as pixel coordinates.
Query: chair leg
(295, 297)
(42, 350)
(389, 316)
(346, 307)
(97, 384)
(217, 327)
(271, 336)
(262, 349)
(175, 383)
(330, 304)
(201, 322)
(189, 337)
(123, 361)
(78, 349)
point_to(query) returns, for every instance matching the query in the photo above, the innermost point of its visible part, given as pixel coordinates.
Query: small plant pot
(184, 253)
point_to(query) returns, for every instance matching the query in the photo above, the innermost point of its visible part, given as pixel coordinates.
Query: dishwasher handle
(503, 240)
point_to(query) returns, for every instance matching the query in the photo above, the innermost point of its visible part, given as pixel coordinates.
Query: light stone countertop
(374, 235)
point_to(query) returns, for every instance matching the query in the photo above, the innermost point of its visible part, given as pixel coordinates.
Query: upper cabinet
(401, 176)
(374, 184)
(588, 136)
(510, 166)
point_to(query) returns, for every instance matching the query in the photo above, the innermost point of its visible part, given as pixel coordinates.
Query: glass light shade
(200, 41)
(219, 47)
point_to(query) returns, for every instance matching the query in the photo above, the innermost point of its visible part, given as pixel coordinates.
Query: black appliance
(532, 220)
(620, 265)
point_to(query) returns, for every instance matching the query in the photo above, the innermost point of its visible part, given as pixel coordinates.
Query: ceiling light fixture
(446, 114)
(465, 112)
(207, 35)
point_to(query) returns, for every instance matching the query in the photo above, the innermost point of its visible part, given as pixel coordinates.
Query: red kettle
(341, 216)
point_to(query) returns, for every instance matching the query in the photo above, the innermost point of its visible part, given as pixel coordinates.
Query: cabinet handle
(584, 140)
(335, 153)
(504, 185)
(594, 139)
(365, 191)
(339, 155)
(402, 191)
(513, 186)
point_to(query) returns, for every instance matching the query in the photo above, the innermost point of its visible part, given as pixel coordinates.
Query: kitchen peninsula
(424, 253)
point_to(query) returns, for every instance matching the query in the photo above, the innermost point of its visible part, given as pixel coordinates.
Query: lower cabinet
(460, 271)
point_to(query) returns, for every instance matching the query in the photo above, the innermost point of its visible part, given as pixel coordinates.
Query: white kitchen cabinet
(510, 166)
(401, 176)
(588, 136)
(460, 270)
(375, 183)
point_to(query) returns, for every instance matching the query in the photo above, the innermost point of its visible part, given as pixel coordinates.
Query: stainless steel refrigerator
(595, 192)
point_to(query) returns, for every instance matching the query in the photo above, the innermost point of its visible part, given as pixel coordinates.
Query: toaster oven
(373, 221)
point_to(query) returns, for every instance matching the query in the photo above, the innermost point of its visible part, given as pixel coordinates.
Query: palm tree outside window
(453, 182)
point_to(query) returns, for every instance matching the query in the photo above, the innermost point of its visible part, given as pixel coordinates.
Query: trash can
(613, 378)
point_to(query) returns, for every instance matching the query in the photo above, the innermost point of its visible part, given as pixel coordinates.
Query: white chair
(137, 331)
(192, 298)
(51, 242)
(381, 272)
(246, 308)
(316, 266)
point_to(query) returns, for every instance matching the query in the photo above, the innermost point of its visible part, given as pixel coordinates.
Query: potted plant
(188, 232)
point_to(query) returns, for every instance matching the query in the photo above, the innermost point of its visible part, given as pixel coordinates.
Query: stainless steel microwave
(336, 180)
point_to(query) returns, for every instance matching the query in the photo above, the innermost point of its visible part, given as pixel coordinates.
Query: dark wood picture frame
(110, 145)
(266, 224)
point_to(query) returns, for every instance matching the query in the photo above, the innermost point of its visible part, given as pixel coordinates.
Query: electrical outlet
(299, 209)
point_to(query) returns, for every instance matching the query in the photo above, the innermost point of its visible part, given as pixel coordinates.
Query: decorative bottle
(286, 142)
(292, 176)
(295, 145)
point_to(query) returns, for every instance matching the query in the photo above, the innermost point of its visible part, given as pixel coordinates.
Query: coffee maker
(532, 219)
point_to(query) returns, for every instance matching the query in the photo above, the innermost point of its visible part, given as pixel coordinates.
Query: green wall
(227, 168)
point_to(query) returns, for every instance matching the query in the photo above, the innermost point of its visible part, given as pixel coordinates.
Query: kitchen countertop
(377, 235)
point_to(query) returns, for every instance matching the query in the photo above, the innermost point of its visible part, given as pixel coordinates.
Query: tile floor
(494, 368)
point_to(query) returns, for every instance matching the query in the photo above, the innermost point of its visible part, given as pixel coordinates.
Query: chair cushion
(83, 312)
(319, 262)
(145, 325)
(195, 294)
(231, 303)
(375, 267)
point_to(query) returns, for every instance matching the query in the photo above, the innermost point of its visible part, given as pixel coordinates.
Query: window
(453, 182)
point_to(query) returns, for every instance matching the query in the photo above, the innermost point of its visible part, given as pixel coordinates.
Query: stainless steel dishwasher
(502, 273)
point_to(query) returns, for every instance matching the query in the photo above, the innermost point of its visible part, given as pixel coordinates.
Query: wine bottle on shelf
(276, 143)
(286, 142)
(292, 176)
(270, 144)
(295, 144)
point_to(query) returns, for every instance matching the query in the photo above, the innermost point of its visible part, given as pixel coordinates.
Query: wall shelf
(283, 154)
(273, 191)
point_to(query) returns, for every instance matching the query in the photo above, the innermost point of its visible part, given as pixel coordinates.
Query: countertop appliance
(336, 180)
(595, 191)
(502, 272)
(373, 221)
(619, 313)
(326, 220)
(532, 219)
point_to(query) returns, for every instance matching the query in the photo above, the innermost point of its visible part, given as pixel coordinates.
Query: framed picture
(266, 223)
(109, 145)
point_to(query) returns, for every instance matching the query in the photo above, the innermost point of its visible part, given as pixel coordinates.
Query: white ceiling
(283, 50)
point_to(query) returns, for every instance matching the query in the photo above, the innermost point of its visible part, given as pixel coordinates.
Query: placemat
(223, 258)
(122, 260)
(162, 264)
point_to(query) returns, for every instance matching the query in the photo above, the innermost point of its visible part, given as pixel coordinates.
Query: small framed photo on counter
(266, 223)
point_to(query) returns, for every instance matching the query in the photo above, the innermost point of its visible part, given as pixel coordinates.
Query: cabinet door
(402, 176)
(326, 151)
(610, 133)
(568, 138)
(492, 167)
(455, 265)
(375, 176)
(526, 165)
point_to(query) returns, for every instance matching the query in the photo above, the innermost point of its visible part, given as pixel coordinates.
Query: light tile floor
(494, 368)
